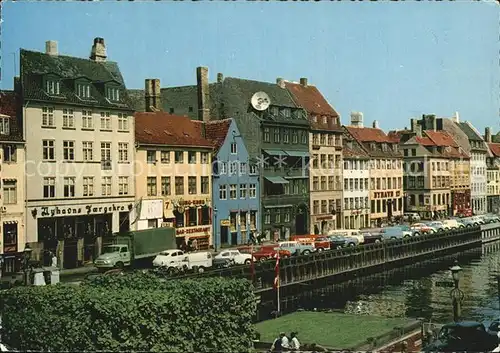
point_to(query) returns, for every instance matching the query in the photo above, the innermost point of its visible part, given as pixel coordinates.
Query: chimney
(356, 119)
(98, 52)
(375, 124)
(203, 94)
(430, 122)
(152, 95)
(17, 84)
(280, 82)
(220, 77)
(487, 135)
(413, 125)
(51, 47)
(456, 118)
(303, 81)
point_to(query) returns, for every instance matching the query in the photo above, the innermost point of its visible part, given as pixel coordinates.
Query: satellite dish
(260, 101)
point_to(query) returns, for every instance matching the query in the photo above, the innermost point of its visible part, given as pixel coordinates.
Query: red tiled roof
(441, 138)
(216, 131)
(311, 99)
(8, 103)
(161, 128)
(368, 134)
(396, 135)
(494, 148)
(425, 141)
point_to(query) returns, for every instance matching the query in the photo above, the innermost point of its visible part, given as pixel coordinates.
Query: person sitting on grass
(280, 344)
(294, 343)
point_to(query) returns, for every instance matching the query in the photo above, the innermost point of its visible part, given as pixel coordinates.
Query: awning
(277, 180)
(298, 153)
(275, 152)
(277, 206)
(9, 222)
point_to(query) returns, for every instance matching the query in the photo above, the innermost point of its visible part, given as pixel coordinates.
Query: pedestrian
(294, 343)
(195, 244)
(285, 342)
(278, 343)
(189, 245)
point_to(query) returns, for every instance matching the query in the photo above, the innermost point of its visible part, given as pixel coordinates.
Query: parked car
(490, 218)
(422, 228)
(465, 336)
(396, 232)
(269, 252)
(437, 225)
(470, 222)
(353, 233)
(339, 242)
(452, 224)
(478, 219)
(168, 257)
(297, 247)
(322, 243)
(372, 237)
(234, 256)
(411, 217)
(196, 261)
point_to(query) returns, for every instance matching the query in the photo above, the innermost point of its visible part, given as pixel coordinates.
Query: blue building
(235, 186)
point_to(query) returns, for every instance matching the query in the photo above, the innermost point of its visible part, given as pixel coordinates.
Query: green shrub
(136, 313)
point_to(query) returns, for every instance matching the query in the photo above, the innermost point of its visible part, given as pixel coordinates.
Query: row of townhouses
(84, 157)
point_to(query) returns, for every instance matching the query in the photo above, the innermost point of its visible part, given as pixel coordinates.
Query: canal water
(413, 291)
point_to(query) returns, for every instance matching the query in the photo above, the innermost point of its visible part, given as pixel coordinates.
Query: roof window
(113, 94)
(4, 125)
(83, 90)
(52, 87)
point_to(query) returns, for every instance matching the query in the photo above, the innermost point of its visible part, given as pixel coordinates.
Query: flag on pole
(277, 271)
(137, 211)
(252, 264)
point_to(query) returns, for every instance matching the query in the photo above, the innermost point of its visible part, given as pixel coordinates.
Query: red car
(269, 252)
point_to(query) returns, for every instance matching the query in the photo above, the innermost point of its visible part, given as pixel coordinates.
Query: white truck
(197, 261)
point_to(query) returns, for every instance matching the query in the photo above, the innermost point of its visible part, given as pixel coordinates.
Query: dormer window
(287, 112)
(315, 119)
(4, 125)
(325, 120)
(83, 90)
(274, 111)
(52, 87)
(372, 145)
(113, 94)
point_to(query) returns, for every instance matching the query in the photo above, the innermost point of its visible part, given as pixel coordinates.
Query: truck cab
(114, 256)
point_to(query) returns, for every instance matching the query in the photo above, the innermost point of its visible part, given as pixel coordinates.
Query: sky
(390, 60)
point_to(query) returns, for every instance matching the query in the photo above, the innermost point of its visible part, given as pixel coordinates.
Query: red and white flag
(277, 271)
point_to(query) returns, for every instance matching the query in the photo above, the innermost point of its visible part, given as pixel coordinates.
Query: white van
(352, 233)
(199, 261)
(451, 224)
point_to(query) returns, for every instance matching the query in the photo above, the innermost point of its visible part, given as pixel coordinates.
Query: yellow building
(386, 172)
(173, 176)
(12, 159)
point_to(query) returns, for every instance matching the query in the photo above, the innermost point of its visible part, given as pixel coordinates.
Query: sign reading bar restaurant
(181, 231)
(53, 211)
(384, 194)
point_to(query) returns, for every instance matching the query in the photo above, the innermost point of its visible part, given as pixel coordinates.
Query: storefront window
(10, 237)
(253, 220)
(192, 214)
(179, 219)
(233, 221)
(243, 221)
(205, 215)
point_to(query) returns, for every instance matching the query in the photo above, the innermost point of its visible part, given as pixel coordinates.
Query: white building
(79, 132)
(356, 195)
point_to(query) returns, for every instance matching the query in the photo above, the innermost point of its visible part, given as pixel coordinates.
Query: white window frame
(88, 186)
(83, 90)
(5, 126)
(234, 148)
(9, 192)
(87, 119)
(223, 192)
(52, 87)
(105, 151)
(68, 118)
(106, 186)
(50, 183)
(69, 150)
(252, 191)
(122, 151)
(243, 191)
(113, 94)
(123, 184)
(69, 187)
(123, 122)
(48, 149)
(88, 151)
(48, 117)
(106, 121)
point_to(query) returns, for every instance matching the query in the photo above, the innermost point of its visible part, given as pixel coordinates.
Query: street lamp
(456, 294)
(216, 245)
(26, 263)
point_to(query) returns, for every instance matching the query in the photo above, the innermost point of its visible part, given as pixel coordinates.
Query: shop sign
(151, 209)
(225, 222)
(385, 194)
(182, 231)
(324, 218)
(181, 204)
(48, 211)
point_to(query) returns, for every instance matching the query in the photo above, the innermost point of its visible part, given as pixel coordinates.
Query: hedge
(131, 313)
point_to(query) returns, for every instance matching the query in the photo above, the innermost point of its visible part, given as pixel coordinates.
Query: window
(48, 150)
(49, 187)
(252, 191)
(9, 153)
(234, 148)
(123, 185)
(165, 186)
(222, 192)
(87, 120)
(267, 135)
(286, 136)
(253, 169)
(243, 191)
(4, 126)
(113, 94)
(232, 191)
(276, 135)
(192, 185)
(286, 112)
(192, 157)
(243, 221)
(10, 192)
(151, 157)
(105, 151)
(267, 217)
(165, 157)
(295, 137)
(106, 186)
(69, 150)
(68, 119)
(205, 157)
(286, 215)
(122, 122)
(277, 216)
(48, 117)
(304, 137)
(88, 186)
(232, 167)
(243, 168)
(122, 151)
(105, 121)
(69, 187)
(205, 185)
(82, 90)
(52, 87)
(179, 157)
(151, 186)
(179, 185)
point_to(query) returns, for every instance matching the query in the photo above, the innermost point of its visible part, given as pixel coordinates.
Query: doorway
(301, 220)
(234, 238)
(389, 209)
(70, 254)
(224, 234)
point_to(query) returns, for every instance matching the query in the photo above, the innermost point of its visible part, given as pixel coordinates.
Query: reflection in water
(412, 291)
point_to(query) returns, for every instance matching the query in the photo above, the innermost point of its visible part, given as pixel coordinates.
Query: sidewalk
(78, 271)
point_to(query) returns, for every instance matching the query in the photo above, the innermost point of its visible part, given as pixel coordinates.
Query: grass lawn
(334, 330)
